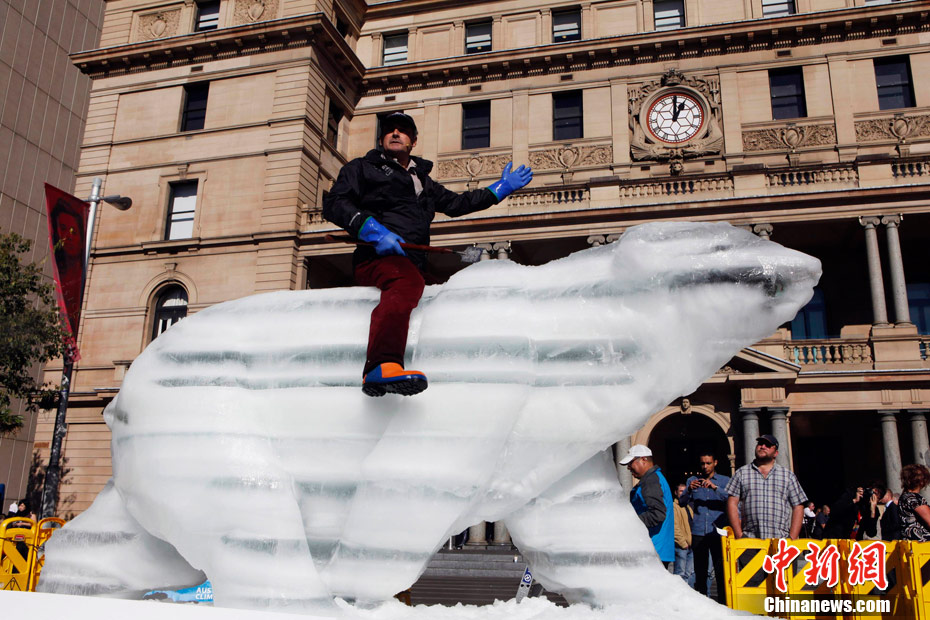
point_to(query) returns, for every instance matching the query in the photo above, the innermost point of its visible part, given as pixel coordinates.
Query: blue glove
(511, 181)
(384, 240)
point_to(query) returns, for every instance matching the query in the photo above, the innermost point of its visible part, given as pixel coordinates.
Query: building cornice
(653, 47)
(313, 29)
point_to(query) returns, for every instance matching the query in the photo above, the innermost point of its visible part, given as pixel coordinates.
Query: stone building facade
(805, 121)
(43, 108)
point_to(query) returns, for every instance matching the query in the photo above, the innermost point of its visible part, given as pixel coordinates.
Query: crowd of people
(761, 500)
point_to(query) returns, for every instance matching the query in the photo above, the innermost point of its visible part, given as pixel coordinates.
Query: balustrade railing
(676, 187)
(924, 347)
(792, 178)
(920, 168)
(828, 352)
(542, 198)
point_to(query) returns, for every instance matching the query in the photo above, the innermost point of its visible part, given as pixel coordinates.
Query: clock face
(675, 118)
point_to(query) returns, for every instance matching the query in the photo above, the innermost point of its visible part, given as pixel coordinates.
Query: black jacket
(844, 513)
(891, 523)
(377, 186)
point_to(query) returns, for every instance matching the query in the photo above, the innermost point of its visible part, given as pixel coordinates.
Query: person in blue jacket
(652, 501)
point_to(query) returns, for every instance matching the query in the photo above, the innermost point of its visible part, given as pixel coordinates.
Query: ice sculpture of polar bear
(243, 446)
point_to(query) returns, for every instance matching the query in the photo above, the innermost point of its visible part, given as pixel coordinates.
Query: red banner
(67, 226)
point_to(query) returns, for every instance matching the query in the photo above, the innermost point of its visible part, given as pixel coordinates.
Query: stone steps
(472, 577)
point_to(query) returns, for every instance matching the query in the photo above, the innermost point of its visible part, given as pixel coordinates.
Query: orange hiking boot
(391, 377)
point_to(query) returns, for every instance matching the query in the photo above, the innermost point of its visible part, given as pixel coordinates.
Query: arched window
(170, 307)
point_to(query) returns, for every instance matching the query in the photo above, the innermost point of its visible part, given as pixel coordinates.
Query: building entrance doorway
(678, 441)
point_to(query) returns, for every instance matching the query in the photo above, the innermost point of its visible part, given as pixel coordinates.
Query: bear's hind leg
(105, 552)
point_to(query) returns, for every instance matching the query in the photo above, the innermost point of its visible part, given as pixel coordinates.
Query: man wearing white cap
(652, 500)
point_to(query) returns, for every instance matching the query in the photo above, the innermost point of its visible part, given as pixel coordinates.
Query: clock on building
(675, 118)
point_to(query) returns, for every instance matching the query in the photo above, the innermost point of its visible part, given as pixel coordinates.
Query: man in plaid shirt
(771, 496)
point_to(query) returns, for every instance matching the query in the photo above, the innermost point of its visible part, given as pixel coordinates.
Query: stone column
(485, 250)
(414, 44)
(649, 16)
(544, 29)
(503, 250)
(477, 536)
(877, 285)
(750, 433)
(626, 478)
(763, 230)
(458, 37)
(377, 50)
(780, 430)
(921, 443)
(497, 32)
(587, 25)
(596, 240)
(501, 535)
(902, 315)
(891, 449)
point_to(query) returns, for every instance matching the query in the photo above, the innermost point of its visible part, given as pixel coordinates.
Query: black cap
(768, 438)
(398, 120)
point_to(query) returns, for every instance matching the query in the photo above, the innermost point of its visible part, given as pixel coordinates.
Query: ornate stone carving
(790, 137)
(473, 167)
(157, 25)
(250, 11)
(899, 128)
(570, 157)
(709, 140)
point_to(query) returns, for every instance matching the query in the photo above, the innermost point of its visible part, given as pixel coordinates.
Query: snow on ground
(39, 606)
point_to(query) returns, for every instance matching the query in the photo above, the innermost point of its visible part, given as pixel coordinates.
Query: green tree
(31, 331)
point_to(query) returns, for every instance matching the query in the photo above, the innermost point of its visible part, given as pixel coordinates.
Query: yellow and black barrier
(800, 586)
(22, 554)
(904, 586)
(747, 583)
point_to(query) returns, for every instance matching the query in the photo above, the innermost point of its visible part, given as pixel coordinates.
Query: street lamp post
(53, 472)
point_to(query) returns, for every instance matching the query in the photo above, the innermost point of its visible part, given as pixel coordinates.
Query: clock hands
(676, 109)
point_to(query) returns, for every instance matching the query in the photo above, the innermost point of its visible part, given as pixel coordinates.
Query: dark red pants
(401, 285)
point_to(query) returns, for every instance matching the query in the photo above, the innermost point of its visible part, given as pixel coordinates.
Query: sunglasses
(765, 444)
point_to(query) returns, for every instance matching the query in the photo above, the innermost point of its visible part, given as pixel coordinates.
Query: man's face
(708, 465)
(679, 490)
(638, 467)
(396, 143)
(765, 450)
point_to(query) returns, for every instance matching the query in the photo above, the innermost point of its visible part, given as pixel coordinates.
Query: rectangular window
(567, 116)
(893, 79)
(332, 123)
(195, 106)
(476, 125)
(181, 202)
(208, 16)
(669, 14)
(777, 8)
(478, 38)
(566, 25)
(395, 49)
(787, 91)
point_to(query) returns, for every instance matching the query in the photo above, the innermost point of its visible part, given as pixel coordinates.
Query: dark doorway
(678, 441)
